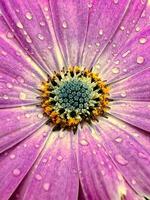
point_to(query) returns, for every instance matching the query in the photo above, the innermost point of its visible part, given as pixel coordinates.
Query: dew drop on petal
(22, 96)
(29, 15)
(121, 160)
(116, 1)
(90, 4)
(38, 177)
(84, 142)
(16, 172)
(12, 156)
(20, 79)
(123, 94)
(133, 181)
(140, 59)
(115, 70)
(9, 35)
(5, 97)
(42, 23)
(118, 139)
(46, 186)
(40, 115)
(28, 39)
(19, 25)
(59, 158)
(142, 155)
(64, 24)
(142, 40)
(9, 85)
(40, 36)
(100, 32)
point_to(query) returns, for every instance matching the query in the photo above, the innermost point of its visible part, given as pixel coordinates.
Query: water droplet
(12, 156)
(142, 155)
(22, 96)
(9, 35)
(126, 53)
(100, 32)
(64, 24)
(137, 29)
(121, 160)
(44, 160)
(45, 8)
(40, 36)
(116, 1)
(118, 139)
(46, 186)
(16, 172)
(38, 177)
(19, 25)
(140, 59)
(133, 181)
(29, 15)
(84, 142)
(5, 97)
(103, 172)
(122, 28)
(42, 23)
(40, 115)
(142, 40)
(28, 39)
(115, 70)
(90, 4)
(20, 79)
(59, 158)
(123, 94)
(9, 85)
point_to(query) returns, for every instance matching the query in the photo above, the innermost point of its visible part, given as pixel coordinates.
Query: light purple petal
(129, 148)
(135, 113)
(104, 20)
(54, 175)
(31, 24)
(17, 162)
(99, 177)
(117, 61)
(137, 87)
(18, 123)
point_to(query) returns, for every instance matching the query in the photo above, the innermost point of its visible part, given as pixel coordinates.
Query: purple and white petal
(16, 162)
(99, 177)
(114, 63)
(32, 27)
(129, 149)
(135, 113)
(134, 88)
(54, 174)
(17, 124)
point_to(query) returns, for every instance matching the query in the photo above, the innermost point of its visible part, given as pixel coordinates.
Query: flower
(59, 142)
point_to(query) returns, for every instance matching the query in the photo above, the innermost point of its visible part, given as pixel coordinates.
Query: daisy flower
(74, 99)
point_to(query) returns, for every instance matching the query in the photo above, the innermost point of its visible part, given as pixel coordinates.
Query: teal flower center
(74, 96)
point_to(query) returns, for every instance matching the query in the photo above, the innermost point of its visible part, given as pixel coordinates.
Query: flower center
(74, 96)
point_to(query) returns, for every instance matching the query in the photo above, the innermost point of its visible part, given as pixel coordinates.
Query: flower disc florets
(74, 96)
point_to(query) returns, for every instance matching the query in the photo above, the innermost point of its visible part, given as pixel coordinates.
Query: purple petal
(54, 175)
(104, 19)
(33, 29)
(99, 177)
(129, 149)
(76, 21)
(17, 162)
(133, 112)
(131, 59)
(18, 123)
(114, 62)
(136, 87)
